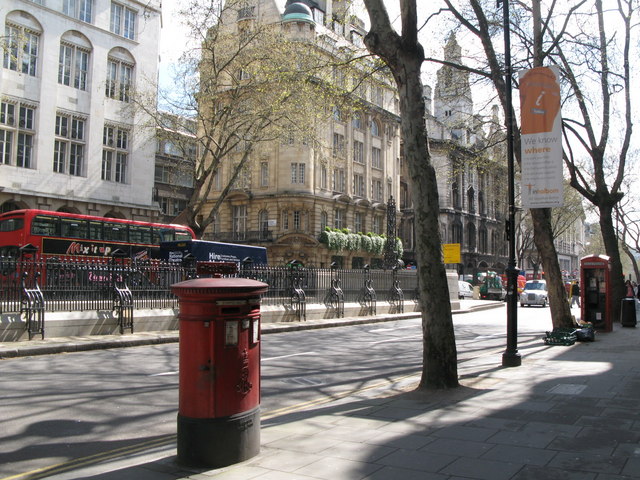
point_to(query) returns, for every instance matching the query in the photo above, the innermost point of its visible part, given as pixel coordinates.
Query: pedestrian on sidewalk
(630, 292)
(575, 294)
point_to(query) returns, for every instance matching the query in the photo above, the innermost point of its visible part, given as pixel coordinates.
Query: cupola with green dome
(297, 12)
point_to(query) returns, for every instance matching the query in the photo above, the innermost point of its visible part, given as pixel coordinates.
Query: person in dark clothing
(575, 294)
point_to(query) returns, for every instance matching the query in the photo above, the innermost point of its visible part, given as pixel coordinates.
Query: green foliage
(343, 239)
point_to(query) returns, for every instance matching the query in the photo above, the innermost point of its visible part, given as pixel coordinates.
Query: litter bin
(628, 312)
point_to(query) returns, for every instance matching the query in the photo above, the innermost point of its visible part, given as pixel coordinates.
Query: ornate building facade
(292, 189)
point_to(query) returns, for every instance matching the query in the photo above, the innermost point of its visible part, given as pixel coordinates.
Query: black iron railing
(80, 285)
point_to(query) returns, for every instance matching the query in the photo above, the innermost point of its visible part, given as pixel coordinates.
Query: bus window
(182, 235)
(11, 224)
(95, 230)
(116, 232)
(139, 234)
(73, 228)
(42, 225)
(155, 236)
(166, 235)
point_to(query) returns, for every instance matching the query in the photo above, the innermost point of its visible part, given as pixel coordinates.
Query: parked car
(465, 290)
(534, 293)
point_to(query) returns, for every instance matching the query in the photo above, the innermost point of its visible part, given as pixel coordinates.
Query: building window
(285, 220)
(337, 114)
(264, 174)
(297, 173)
(376, 190)
(376, 157)
(323, 177)
(115, 154)
(239, 221)
(69, 145)
(377, 95)
(123, 21)
(377, 224)
(357, 121)
(375, 128)
(297, 222)
(338, 145)
(339, 218)
(324, 221)
(20, 130)
(162, 174)
(263, 224)
(217, 179)
(358, 222)
(80, 9)
(358, 185)
(471, 204)
(455, 195)
(20, 52)
(119, 80)
(73, 66)
(358, 151)
(338, 180)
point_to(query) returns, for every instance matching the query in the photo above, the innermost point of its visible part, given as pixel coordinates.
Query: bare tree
(245, 84)
(404, 56)
(596, 62)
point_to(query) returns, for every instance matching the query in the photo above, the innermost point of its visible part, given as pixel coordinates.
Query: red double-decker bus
(58, 234)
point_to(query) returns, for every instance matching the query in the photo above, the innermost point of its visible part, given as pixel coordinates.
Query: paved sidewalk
(566, 413)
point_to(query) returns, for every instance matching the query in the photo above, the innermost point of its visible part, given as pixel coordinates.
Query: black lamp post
(510, 357)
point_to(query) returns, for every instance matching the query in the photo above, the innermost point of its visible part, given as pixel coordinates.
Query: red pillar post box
(219, 373)
(595, 292)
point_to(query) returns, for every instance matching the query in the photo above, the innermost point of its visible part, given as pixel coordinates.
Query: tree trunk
(404, 56)
(543, 238)
(439, 354)
(610, 239)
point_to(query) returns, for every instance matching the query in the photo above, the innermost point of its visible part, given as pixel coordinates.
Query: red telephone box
(595, 291)
(219, 373)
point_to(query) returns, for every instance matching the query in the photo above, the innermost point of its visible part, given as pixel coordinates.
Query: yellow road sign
(451, 252)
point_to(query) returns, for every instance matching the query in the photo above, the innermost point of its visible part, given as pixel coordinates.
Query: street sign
(451, 252)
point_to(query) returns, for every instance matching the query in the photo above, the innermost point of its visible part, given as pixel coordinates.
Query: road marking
(397, 339)
(378, 330)
(284, 356)
(162, 374)
(92, 459)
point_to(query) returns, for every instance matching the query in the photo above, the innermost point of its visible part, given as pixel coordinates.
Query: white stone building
(70, 139)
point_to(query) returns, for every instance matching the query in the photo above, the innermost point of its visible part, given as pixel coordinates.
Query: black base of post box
(218, 442)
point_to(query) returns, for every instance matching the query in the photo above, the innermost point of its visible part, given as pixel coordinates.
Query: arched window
(471, 200)
(324, 220)
(375, 128)
(471, 237)
(120, 65)
(73, 62)
(455, 195)
(21, 43)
